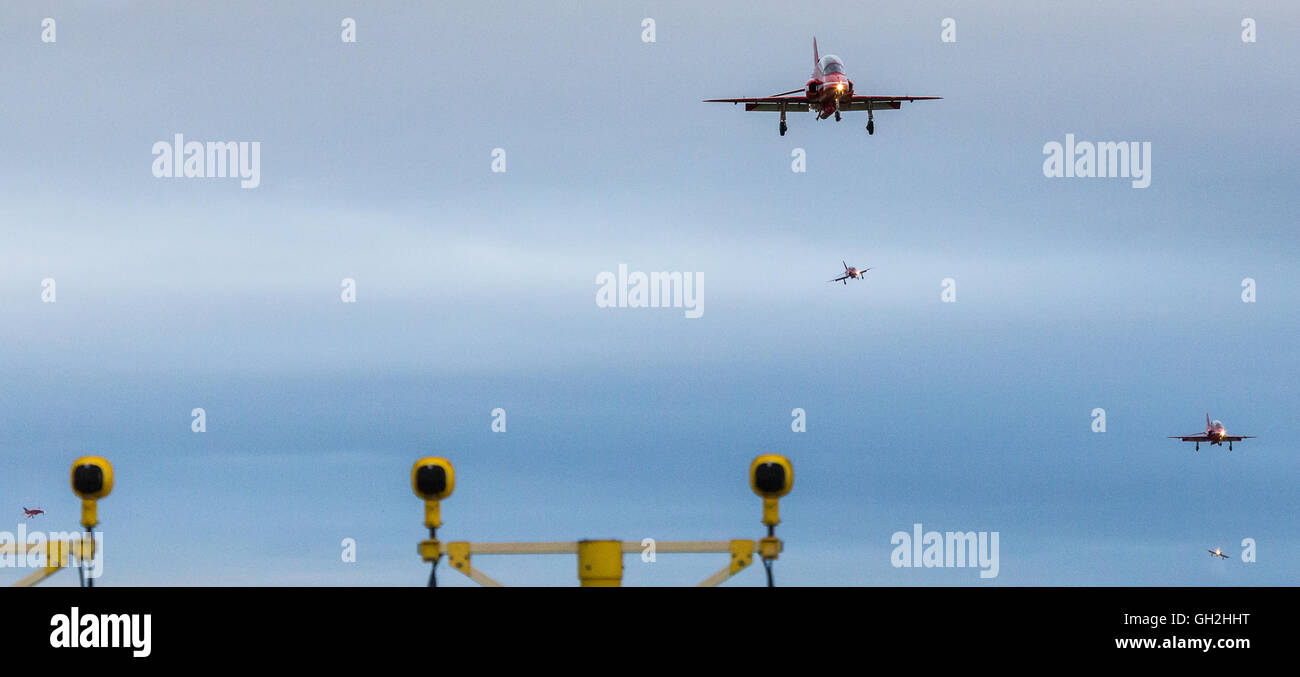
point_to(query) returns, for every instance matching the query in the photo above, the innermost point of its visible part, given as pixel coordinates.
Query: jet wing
(800, 103)
(881, 102)
(1191, 438)
(793, 104)
(1237, 438)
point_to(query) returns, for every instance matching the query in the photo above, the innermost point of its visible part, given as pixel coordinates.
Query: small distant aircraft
(1214, 434)
(1218, 552)
(827, 93)
(849, 272)
(33, 512)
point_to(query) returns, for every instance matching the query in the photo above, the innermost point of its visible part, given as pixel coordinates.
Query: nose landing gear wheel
(837, 116)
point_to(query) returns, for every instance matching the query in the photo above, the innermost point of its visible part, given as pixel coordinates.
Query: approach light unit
(92, 479)
(771, 476)
(433, 479)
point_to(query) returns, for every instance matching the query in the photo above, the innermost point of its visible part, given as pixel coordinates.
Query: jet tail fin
(1207, 419)
(817, 59)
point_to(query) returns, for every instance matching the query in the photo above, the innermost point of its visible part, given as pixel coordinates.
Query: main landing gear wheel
(783, 128)
(871, 126)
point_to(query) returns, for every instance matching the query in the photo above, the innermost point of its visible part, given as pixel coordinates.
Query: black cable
(433, 571)
(90, 532)
(767, 563)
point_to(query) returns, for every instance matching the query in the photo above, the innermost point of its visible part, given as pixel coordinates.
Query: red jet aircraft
(1214, 434)
(33, 512)
(849, 272)
(827, 93)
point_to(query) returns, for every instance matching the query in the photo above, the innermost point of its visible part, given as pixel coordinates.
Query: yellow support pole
(89, 513)
(771, 512)
(600, 564)
(433, 514)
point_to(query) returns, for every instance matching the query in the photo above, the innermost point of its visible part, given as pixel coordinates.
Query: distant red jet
(827, 93)
(1214, 434)
(33, 512)
(849, 272)
(1218, 552)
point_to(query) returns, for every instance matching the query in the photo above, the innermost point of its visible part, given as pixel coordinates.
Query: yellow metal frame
(600, 563)
(58, 555)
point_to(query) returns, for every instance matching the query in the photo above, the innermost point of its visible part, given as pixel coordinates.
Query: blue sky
(476, 290)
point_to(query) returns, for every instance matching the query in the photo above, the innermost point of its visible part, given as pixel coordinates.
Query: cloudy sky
(476, 290)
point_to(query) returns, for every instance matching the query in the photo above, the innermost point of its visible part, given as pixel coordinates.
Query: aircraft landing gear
(1230, 446)
(871, 121)
(783, 126)
(1198, 446)
(837, 116)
